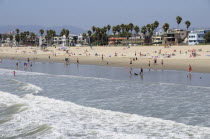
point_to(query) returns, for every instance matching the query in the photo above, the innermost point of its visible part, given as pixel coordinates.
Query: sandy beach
(174, 58)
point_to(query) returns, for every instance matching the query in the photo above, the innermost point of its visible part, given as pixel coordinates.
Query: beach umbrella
(63, 48)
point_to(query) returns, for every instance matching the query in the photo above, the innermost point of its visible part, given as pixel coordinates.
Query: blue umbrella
(63, 48)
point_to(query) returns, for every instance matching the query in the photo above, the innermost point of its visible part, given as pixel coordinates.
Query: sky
(86, 13)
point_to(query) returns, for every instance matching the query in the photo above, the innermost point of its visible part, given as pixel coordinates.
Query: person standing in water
(190, 68)
(14, 73)
(77, 61)
(141, 71)
(131, 61)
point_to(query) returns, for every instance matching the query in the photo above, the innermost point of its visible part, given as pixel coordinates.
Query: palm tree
(93, 29)
(17, 31)
(41, 31)
(144, 31)
(166, 27)
(49, 36)
(108, 28)
(17, 36)
(89, 34)
(32, 38)
(114, 30)
(118, 28)
(178, 20)
(187, 23)
(137, 29)
(156, 24)
(122, 27)
(63, 31)
(131, 26)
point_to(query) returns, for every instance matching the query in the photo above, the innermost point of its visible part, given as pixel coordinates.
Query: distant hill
(36, 28)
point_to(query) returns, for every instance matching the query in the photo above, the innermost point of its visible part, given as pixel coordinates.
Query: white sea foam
(69, 120)
(8, 72)
(31, 88)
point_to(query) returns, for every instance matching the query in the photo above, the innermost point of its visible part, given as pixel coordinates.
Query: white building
(196, 37)
(71, 40)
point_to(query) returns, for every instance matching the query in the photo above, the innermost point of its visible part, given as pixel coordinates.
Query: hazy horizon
(85, 14)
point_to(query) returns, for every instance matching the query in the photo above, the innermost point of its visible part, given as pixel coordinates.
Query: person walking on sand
(102, 57)
(162, 62)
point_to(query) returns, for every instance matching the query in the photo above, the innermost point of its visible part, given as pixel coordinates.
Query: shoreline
(169, 64)
(86, 56)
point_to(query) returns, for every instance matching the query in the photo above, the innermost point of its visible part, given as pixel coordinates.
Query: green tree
(144, 31)
(187, 23)
(131, 27)
(207, 37)
(49, 36)
(166, 27)
(41, 31)
(108, 28)
(17, 36)
(156, 24)
(93, 29)
(17, 31)
(137, 29)
(89, 35)
(84, 35)
(178, 20)
(114, 30)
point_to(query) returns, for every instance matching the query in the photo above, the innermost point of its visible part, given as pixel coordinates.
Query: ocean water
(55, 100)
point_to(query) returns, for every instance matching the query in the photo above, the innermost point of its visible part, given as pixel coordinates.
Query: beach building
(71, 40)
(174, 36)
(196, 37)
(7, 39)
(116, 40)
(134, 40)
(157, 40)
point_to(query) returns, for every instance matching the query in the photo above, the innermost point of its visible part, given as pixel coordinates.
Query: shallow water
(52, 100)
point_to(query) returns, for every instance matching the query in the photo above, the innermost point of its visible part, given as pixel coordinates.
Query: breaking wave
(50, 118)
